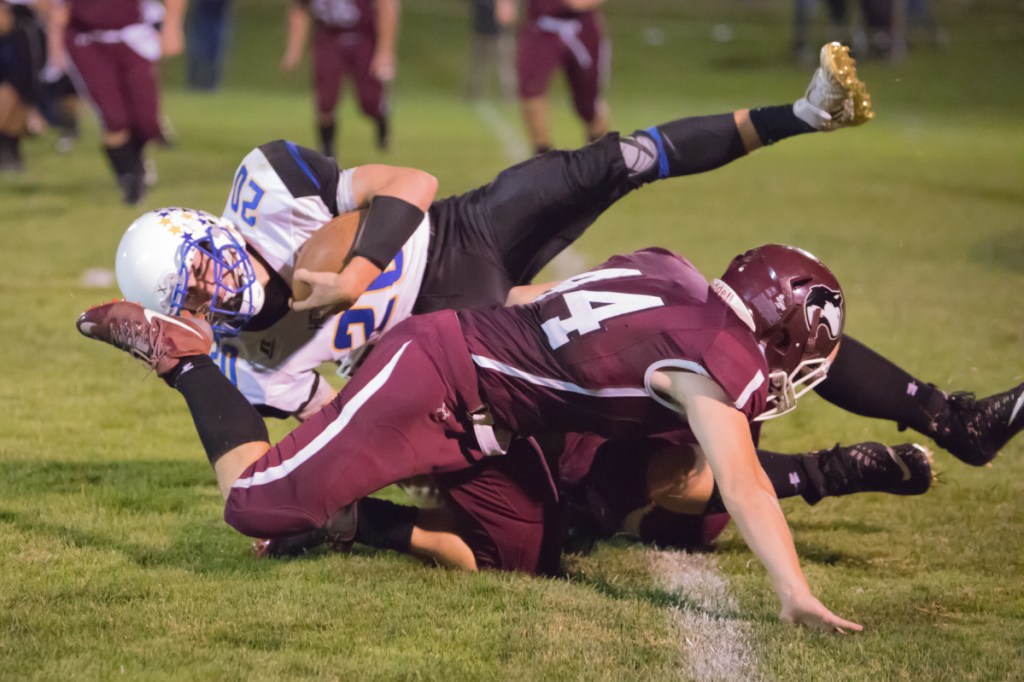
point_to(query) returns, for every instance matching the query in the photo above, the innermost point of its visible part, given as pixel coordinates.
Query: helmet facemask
(795, 308)
(236, 297)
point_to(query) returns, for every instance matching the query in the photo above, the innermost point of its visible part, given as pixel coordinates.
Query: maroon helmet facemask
(796, 309)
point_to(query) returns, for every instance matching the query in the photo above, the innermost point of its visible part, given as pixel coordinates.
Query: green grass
(115, 561)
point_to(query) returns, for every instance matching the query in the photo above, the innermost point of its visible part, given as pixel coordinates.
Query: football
(328, 249)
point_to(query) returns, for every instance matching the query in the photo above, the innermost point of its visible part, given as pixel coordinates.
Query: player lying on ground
(415, 255)
(624, 350)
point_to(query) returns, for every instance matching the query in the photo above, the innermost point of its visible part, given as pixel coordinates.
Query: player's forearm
(172, 32)
(583, 5)
(298, 31)
(527, 293)
(56, 23)
(387, 26)
(354, 279)
(174, 14)
(757, 514)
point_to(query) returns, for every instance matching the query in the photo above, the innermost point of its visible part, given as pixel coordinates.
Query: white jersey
(281, 195)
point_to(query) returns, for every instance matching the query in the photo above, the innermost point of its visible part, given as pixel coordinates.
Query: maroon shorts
(579, 48)
(341, 54)
(403, 414)
(122, 86)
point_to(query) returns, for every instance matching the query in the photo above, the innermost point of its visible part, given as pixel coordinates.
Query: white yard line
(570, 261)
(714, 640)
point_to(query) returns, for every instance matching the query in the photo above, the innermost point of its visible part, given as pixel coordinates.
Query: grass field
(115, 561)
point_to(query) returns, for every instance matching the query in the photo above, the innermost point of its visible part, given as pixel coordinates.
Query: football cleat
(339, 533)
(291, 546)
(873, 467)
(974, 430)
(157, 339)
(341, 528)
(133, 188)
(835, 98)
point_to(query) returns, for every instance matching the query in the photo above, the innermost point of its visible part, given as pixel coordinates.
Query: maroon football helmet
(796, 309)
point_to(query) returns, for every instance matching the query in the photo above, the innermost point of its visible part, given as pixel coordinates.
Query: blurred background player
(562, 35)
(22, 50)
(113, 49)
(207, 32)
(352, 39)
(492, 49)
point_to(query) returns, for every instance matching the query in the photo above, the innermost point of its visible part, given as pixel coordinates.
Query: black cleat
(133, 188)
(339, 534)
(973, 430)
(291, 546)
(341, 528)
(873, 467)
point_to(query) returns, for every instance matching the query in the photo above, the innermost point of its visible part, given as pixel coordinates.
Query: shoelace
(140, 340)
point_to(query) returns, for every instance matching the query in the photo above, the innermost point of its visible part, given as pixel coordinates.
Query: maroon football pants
(122, 86)
(405, 413)
(340, 55)
(581, 52)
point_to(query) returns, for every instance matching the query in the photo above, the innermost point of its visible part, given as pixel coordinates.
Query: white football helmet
(155, 258)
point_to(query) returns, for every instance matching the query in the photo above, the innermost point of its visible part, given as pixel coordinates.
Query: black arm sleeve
(388, 225)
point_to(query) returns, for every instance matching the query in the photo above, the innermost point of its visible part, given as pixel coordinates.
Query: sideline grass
(116, 563)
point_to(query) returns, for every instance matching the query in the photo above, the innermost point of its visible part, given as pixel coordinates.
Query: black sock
(686, 147)
(123, 159)
(383, 133)
(777, 123)
(863, 382)
(224, 419)
(793, 475)
(384, 524)
(138, 145)
(327, 139)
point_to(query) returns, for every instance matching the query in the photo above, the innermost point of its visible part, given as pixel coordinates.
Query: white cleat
(835, 98)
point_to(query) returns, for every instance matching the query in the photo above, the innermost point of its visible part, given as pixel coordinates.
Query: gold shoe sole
(836, 58)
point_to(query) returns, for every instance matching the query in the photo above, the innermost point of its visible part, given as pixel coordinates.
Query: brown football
(328, 249)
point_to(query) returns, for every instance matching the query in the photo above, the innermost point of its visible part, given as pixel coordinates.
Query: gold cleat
(835, 98)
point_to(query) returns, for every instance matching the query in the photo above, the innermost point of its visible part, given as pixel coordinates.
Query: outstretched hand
(810, 612)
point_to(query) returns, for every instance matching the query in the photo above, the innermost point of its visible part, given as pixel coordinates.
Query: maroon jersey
(349, 15)
(580, 358)
(103, 15)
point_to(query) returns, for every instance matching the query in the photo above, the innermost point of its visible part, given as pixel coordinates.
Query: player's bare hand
(172, 41)
(330, 292)
(290, 61)
(383, 66)
(806, 610)
(505, 12)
